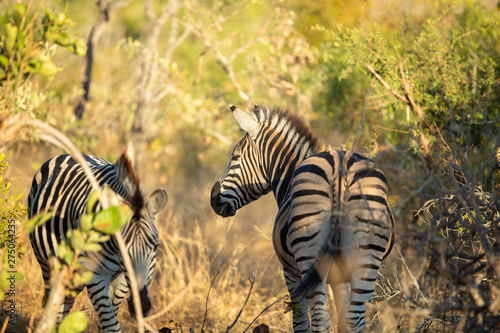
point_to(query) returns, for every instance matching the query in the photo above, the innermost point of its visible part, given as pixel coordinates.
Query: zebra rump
(352, 169)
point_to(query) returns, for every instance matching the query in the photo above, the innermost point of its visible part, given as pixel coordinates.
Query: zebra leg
(118, 289)
(300, 306)
(320, 317)
(362, 267)
(67, 305)
(361, 294)
(98, 290)
(341, 293)
(339, 278)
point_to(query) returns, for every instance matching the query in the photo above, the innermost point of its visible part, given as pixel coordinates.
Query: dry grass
(202, 273)
(181, 291)
(205, 263)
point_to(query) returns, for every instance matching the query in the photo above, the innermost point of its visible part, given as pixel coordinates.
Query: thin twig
(385, 84)
(172, 303)
(243, 306)
(413, 279)
(225, 63)
(92, 41)
(133, 281)
(409, 96)
(5, 323)
(265, 309)
(206, 300)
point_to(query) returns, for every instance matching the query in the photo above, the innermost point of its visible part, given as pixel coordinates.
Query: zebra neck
(282, 169)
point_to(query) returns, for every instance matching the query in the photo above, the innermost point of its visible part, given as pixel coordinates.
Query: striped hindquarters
(339, 228)
(364, 204)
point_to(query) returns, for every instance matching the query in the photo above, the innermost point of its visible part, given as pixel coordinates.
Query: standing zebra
(61, 186)
(334, 223)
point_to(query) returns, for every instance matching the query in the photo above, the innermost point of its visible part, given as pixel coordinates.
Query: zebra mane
(274, 117)
(129, 178)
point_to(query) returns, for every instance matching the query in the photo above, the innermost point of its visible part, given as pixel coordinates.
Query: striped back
(61, 187)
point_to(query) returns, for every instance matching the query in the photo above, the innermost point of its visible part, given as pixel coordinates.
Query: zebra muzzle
(223, 209)
(145, 303)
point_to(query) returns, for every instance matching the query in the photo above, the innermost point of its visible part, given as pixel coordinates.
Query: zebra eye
(235, 157)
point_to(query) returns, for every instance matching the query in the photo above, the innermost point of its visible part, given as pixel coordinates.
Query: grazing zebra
(61, 186)
(334, 223)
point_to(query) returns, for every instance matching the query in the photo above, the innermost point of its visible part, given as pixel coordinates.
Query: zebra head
(140, 233)
(245, 178)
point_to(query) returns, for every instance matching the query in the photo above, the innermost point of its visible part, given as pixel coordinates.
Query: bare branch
(13, 127)
(408, 94)
(133, 281)
(413, 279)
(173, 302)
(265, 309)
(151, 80)
(208, 295)
(226, 64)
(244, 47)
(92, 41)
(243, 306)
(407, 98)
(385, 84)
(55, 299)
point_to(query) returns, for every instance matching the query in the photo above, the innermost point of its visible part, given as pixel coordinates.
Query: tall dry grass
(206, 264)
(203, 271)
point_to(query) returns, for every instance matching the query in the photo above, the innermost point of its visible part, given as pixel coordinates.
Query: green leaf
(48, 68)
(87, 276)
(65, 252)
(77, 241)
(36, 221)
(20, 8)
(68, 257)
(4, 61)
(79, 47)
(51, 35)
(73, 323)
(108, 221)
(82, 278)
(10, 36)
(91, 247)
(93, 197)
(95, 236)
(86, 223)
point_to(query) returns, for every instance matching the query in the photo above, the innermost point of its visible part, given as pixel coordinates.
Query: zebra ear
(157, 201)
(246, 121)
(126, 175)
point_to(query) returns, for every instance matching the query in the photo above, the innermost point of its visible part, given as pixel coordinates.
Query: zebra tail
(318, 272)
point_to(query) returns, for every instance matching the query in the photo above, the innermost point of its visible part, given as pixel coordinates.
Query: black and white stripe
(334, 223)
(61, 187)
